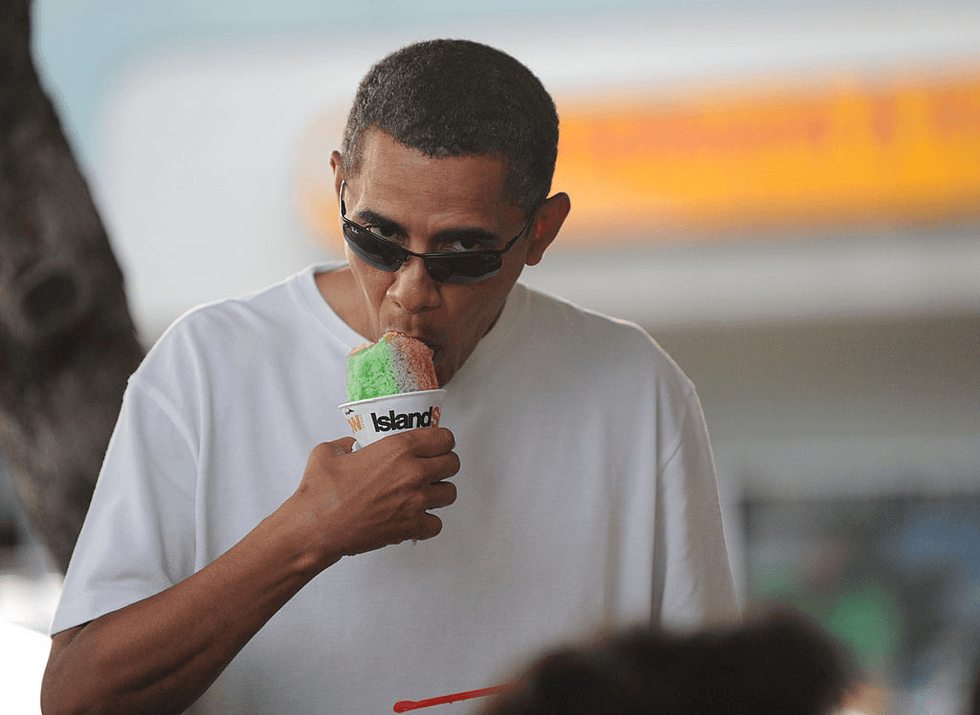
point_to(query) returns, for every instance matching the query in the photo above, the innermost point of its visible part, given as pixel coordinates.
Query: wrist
(308, 548)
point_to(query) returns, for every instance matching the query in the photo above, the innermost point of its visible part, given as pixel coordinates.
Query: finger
(431, 441)
(442, 467)
(441, 494)
(430, 525)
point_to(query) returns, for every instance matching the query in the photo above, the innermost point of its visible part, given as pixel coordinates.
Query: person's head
(449, 148)
(460, 98)
(783, 665)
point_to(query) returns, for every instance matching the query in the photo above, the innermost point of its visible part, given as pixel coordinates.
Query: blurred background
(786, 195)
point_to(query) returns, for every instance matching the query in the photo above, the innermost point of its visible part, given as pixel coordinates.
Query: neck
(341, 293)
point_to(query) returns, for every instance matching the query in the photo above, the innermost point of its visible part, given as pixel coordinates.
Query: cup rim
(369, 400)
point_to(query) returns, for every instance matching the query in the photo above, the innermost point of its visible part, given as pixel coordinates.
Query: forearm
(160, 654)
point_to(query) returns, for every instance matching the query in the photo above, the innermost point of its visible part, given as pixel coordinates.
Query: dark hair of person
(784, 664)
(458, 98)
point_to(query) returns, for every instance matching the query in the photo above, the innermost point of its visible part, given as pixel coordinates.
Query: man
(211, 568)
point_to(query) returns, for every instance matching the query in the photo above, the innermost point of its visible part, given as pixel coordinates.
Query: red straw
(405, 705)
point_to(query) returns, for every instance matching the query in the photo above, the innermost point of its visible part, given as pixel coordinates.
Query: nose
(413, 289)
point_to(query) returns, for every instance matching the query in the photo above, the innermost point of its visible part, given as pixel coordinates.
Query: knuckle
(417, 473)
(320, 455)
(413, 438)
(417, 502)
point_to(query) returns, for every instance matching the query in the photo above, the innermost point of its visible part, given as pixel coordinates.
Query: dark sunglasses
(446, 267)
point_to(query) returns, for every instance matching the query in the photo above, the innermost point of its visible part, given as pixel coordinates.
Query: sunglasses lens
(463, 269)
(373, 251)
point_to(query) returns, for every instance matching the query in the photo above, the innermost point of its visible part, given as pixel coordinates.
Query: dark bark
(67, 341)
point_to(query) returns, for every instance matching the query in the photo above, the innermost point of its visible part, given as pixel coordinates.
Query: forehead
(394, 174)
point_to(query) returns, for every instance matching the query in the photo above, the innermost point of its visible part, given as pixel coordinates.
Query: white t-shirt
(586, 499)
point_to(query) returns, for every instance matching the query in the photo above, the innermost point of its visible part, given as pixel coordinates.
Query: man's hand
(379, 495)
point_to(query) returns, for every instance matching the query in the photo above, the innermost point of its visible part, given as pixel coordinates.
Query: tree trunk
(67, 341)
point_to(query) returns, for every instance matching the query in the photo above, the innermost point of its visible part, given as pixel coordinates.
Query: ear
(337, 166)
(551, 216)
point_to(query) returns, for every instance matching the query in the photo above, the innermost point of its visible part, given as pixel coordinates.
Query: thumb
(344, 445)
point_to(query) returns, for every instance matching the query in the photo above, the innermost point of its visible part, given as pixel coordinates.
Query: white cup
(378, 417)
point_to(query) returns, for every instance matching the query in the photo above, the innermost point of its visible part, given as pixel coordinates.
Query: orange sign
(649, 169)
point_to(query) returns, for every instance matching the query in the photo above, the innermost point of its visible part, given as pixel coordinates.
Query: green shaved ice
(369, 373)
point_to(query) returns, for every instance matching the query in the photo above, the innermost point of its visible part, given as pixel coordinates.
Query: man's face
(430, 205)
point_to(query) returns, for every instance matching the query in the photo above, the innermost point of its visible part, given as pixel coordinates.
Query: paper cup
(374, 419)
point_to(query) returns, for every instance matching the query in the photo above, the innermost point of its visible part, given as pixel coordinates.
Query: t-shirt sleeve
(690, 556)
(138, 536)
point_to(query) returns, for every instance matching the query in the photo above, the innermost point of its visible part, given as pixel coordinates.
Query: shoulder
(560, 314)
(262, 308)
(214, 336)
(611, 345)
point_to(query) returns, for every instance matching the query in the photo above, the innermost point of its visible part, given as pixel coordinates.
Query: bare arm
(160, 654)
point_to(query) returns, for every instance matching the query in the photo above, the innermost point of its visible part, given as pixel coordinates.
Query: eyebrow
(367, 216)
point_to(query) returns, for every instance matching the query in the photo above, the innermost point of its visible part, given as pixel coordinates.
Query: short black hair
(460, 98)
